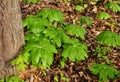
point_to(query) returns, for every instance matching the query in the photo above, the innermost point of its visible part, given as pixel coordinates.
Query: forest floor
(75, 72)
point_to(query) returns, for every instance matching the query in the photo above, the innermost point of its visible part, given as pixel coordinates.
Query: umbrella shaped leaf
(109, 38)
(76, 30)
(75, 51)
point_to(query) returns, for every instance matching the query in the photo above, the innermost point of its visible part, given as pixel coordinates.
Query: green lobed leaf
(50, 32)
(35, 24)
(33, 37)
(103, 15)
(13, 79)
(87, 20)
(47, 59)
(109, 38)
(21, 61)
(75, 51)
(35, 56)
(51, 14)
(76, 30)
(79, 8)
(104, 71)
(57, 41)
(65, 38)
(56, 35)
(41, 54)
(46, 45)
(21, 66)
(113, 6)
(17, 61)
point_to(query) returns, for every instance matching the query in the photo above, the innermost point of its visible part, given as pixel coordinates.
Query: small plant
(102, 52)
(37, 26)
(75, 51)
(45, 38)
(56, 78)
(57, 36)
(79, 8)
(85, 19)
(21, 61)
(11, 79)
(103, 15)
(109, 38)
(31, 1)
(113, 6)
(51, 14)
(76, 30)
(104, 72)
(40, 53)
(62, 76)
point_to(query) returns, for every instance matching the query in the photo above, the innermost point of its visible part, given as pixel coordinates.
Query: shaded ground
(76, 72)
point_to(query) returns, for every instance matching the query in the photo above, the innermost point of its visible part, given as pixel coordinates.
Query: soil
(74, 71)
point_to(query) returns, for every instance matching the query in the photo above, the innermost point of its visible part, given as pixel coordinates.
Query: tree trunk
(11, 33)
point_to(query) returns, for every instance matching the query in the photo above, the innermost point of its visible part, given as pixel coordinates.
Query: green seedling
(11, 79)
(101, 53)
(21, 61)
(104, 72)
(76, 30)
(62, 76)
(79, 8)
(113, 6)
(85, 19)
(109, 38)
(51, 14)
(56, 78)
(103, 15)
(75, 51)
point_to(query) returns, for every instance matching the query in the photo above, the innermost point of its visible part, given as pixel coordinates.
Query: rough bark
(11, 33)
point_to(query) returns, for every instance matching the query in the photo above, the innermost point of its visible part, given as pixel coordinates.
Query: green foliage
(79, 8)
(104, 71)
(109, 38)
(51, 14)
(76, 30)
(45, 39)
(101, 51)
(57, 36)
(35, 24)
(11, 79)
(56, 78)
(40, 53)
(62, 76)
(21, 61)
(103, 15)
(113, 6)
(31, 1)
(75, 51)
(85, 19)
